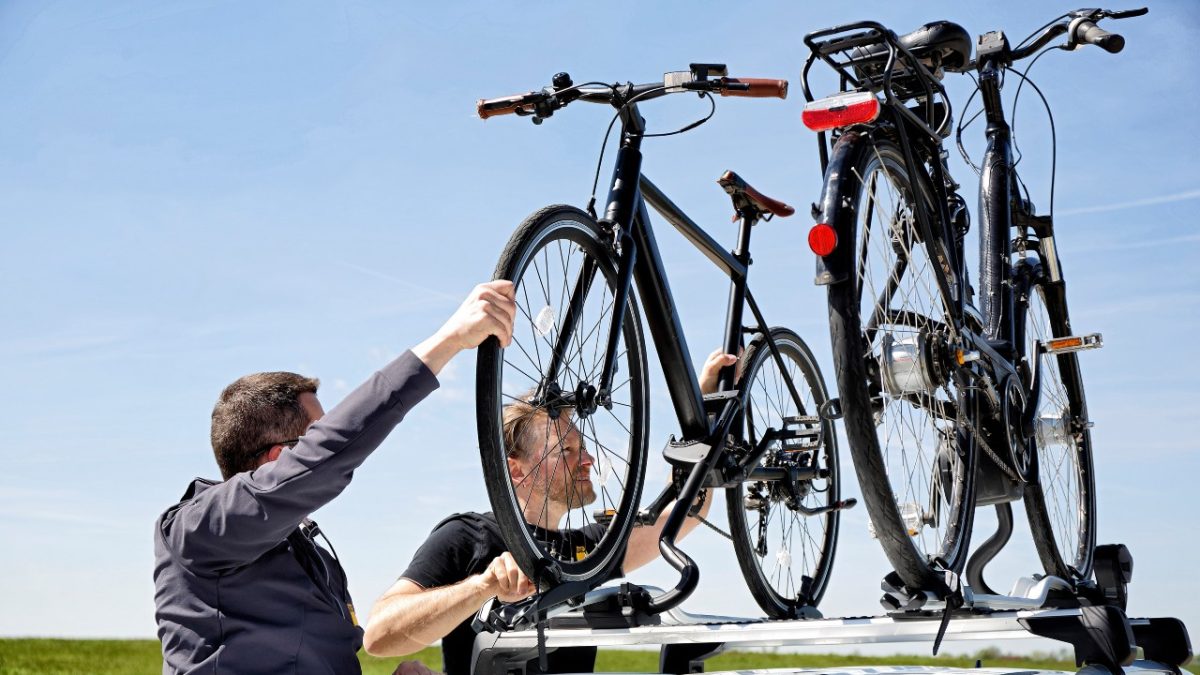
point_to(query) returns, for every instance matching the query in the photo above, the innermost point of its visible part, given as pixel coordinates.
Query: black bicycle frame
(627, 219)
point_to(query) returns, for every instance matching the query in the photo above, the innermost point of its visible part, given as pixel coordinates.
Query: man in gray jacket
(241, 586)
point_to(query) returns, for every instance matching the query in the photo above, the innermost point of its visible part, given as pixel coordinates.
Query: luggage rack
(1104, 639)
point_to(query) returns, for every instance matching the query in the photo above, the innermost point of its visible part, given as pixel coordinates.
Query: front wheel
(1061, 499)
(908, 412)
(785, 531)
(564, 461)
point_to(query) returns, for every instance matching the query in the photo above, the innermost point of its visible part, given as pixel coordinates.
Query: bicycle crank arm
(778, 473)
(836, 506)
(1067, 345)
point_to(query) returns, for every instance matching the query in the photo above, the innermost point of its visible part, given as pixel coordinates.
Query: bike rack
(1093, 622)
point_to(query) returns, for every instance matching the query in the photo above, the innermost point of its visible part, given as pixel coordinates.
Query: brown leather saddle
(749, 202)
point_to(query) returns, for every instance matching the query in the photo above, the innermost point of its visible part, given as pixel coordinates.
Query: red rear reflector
(843, 110)
(822, 239)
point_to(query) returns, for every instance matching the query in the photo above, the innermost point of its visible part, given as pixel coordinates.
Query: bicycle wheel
(571, 471)
(906, 416)
(785, 554)
(1061, 499)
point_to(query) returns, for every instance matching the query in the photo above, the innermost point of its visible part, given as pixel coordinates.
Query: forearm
(404, 623)
(436, 351)
(643, 542)
(236, 521)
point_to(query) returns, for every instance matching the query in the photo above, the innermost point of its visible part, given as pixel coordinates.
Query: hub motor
(911, 364)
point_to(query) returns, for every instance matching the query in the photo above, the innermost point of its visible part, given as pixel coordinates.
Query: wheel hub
(911, 364)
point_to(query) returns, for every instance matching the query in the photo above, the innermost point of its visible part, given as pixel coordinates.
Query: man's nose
(585, 458)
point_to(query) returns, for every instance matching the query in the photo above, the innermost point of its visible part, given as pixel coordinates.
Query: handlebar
(543, 103)
(1082, 29)
(505, 105)
(1087, 32)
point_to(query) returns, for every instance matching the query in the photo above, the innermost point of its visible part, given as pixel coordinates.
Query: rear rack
(842, 47)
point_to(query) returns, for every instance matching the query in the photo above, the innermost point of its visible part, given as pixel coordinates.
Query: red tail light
(822, 239)
(843, 110)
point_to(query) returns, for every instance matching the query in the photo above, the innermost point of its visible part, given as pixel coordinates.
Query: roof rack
(1101, 634)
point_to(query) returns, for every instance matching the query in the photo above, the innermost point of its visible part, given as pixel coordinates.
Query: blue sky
(197, 190)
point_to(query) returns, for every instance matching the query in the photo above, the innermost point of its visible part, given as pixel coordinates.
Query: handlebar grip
(755, 87)
(1090, 33)
(504, 105)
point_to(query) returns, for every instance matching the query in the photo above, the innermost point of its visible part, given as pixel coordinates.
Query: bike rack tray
(1104, 639)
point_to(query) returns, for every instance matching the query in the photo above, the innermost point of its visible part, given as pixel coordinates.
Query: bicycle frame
(627, 222)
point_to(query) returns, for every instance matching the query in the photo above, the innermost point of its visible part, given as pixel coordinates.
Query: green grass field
(40, 656)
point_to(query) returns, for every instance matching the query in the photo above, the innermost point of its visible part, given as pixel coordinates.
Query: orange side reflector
(1065, 343)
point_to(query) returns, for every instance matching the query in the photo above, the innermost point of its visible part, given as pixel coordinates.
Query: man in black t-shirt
(464, 562)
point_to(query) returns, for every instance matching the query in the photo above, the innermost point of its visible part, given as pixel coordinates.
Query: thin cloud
(397, 280)
(1149, 201)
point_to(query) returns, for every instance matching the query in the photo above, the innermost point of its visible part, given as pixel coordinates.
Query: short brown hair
(255, 411)
(517, 417)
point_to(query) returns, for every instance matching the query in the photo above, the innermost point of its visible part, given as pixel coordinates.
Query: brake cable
(591, 205)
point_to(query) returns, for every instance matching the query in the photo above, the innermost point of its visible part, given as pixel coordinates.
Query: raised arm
(238, 520)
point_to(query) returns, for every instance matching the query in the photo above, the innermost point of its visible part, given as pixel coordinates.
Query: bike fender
(837, 206)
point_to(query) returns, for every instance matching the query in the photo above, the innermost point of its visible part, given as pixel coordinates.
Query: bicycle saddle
(946, 40)
(743, 192)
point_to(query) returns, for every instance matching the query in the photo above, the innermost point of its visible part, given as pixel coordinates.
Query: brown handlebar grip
(504, 105)
(759, 87)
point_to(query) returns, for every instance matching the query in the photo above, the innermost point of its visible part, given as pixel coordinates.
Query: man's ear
(274, 453)
(515, 470)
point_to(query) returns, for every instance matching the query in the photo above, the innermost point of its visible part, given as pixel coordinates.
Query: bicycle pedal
(802, 419)
(686, 452)
(604, 516)
(1073, 343)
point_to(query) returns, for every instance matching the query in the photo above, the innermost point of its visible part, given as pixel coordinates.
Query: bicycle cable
(591, 205)
(1053, 132)
(965, 123)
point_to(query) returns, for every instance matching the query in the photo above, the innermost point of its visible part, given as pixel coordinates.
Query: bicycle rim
(907, 424)
(1060, 501)
(785, 556)
(557, 489)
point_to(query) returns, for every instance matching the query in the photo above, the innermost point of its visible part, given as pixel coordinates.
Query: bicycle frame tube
(995, 213)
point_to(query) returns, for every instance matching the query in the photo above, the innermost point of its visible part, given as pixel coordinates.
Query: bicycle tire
(917, 557)
(1061, 508)
(573, 234)
(765, 401)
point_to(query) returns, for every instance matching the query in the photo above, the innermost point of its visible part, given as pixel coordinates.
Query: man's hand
(505, 580)
(413, 668)
(712, 367)
(489, 310)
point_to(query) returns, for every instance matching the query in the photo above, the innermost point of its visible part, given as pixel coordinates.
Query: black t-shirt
(464, 545)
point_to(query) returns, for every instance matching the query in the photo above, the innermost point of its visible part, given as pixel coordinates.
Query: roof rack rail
(1102, 636)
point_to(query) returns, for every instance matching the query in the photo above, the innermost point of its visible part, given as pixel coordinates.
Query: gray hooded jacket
(238, 586)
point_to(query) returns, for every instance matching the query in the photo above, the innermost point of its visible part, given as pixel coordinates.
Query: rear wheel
(1061, 499)
(785, 553)
(565, 484)
(906, 414)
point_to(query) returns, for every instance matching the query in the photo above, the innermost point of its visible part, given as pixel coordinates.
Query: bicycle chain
(714, 528)
(982, 440)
